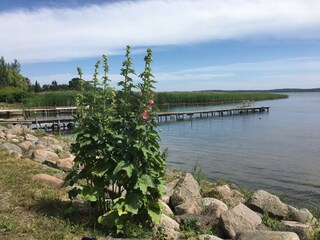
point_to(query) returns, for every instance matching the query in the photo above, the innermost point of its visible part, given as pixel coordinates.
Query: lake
(278, 151)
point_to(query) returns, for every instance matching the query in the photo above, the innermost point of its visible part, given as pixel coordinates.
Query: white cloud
(51, 34)
(281, 73)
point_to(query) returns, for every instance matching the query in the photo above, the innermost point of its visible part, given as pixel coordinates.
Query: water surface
(278, 151)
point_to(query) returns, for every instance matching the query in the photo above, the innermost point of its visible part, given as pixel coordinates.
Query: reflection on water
(278, 151)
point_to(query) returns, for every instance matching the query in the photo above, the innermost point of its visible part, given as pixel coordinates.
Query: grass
(29, 210)
(51, 99)
(273, 224)
(68, 98)
(213, 97)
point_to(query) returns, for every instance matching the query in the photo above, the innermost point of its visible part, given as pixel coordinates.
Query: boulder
(48, 180)
(169, 188)
(17, 130)
(186, 190)
(208, 237)
(266, 235)
(303, 215)
(31, 138)
(191, 207)
(263, 201)
(41, 146)
(50, 141)
(2, 135)
(226, 194)
(238, 219)
(42, 155)
(3, 129)
(198, 222)
(10, 136)
(302, 229)
(168, 228)
(65, 154)
(25, 145)
(213, 207)
(11, 148)
(65, 164)
(166, 209)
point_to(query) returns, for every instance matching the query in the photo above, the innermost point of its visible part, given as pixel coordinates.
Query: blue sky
(197, 45)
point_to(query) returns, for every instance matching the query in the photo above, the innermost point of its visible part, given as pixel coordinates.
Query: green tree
(37, 87)
(54, 86)
(10, 75)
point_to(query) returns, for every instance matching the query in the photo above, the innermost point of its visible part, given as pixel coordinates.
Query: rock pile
(225, 209)
(23, 142)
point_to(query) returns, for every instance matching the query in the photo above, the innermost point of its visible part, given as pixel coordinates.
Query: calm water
(279, 152)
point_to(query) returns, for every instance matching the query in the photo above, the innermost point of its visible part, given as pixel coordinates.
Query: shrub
(11, 95)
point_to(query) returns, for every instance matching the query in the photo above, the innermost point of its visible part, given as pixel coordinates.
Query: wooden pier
(30, 112)
(61, 122)
(178, 116)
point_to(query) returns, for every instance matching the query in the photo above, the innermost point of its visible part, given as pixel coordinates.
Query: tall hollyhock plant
(140, 166)
(118, 166)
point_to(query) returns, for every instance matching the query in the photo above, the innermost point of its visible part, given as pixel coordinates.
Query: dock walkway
(30, 118)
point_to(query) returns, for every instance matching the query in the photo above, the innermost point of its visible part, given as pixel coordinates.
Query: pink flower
(149, 108)
(145, 115)
(151, 101)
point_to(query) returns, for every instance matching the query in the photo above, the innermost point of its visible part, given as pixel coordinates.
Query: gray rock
(266, 235)
(169, 188)
(2, 135)
(168, 228)
(10, 136)
(238, 219)
(208, 237)
(166, 209)
(65, 154)
(3, 129)
(50, 140)
(42, 155)
(263, 201)
(191, 207)
(31, 138)
(48, 180)
(187, 190)
(65, 164)
(11, 148)
(302, 229)
(199, 222)
(303, 215)
(213, 207)
(25, 145)
(226, 194)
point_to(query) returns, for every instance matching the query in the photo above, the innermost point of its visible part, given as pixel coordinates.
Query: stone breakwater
(218, 206)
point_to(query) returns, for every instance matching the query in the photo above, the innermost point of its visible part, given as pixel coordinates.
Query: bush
(11, 95)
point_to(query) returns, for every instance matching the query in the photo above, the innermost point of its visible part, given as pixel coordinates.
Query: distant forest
(280, 90)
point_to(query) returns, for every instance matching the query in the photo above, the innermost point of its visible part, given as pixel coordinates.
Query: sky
(197, 44)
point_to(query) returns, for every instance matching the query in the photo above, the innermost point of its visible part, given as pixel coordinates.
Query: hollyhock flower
(149, 108)
(151, 101)
(145, 115)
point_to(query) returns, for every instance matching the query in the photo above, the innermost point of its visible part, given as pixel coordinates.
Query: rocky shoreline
(190, 210)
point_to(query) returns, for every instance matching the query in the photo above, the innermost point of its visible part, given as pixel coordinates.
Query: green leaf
(154, 211)
(108, 219)
(132, 202)
(143, 183)
(122, 165)
(89, 194)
